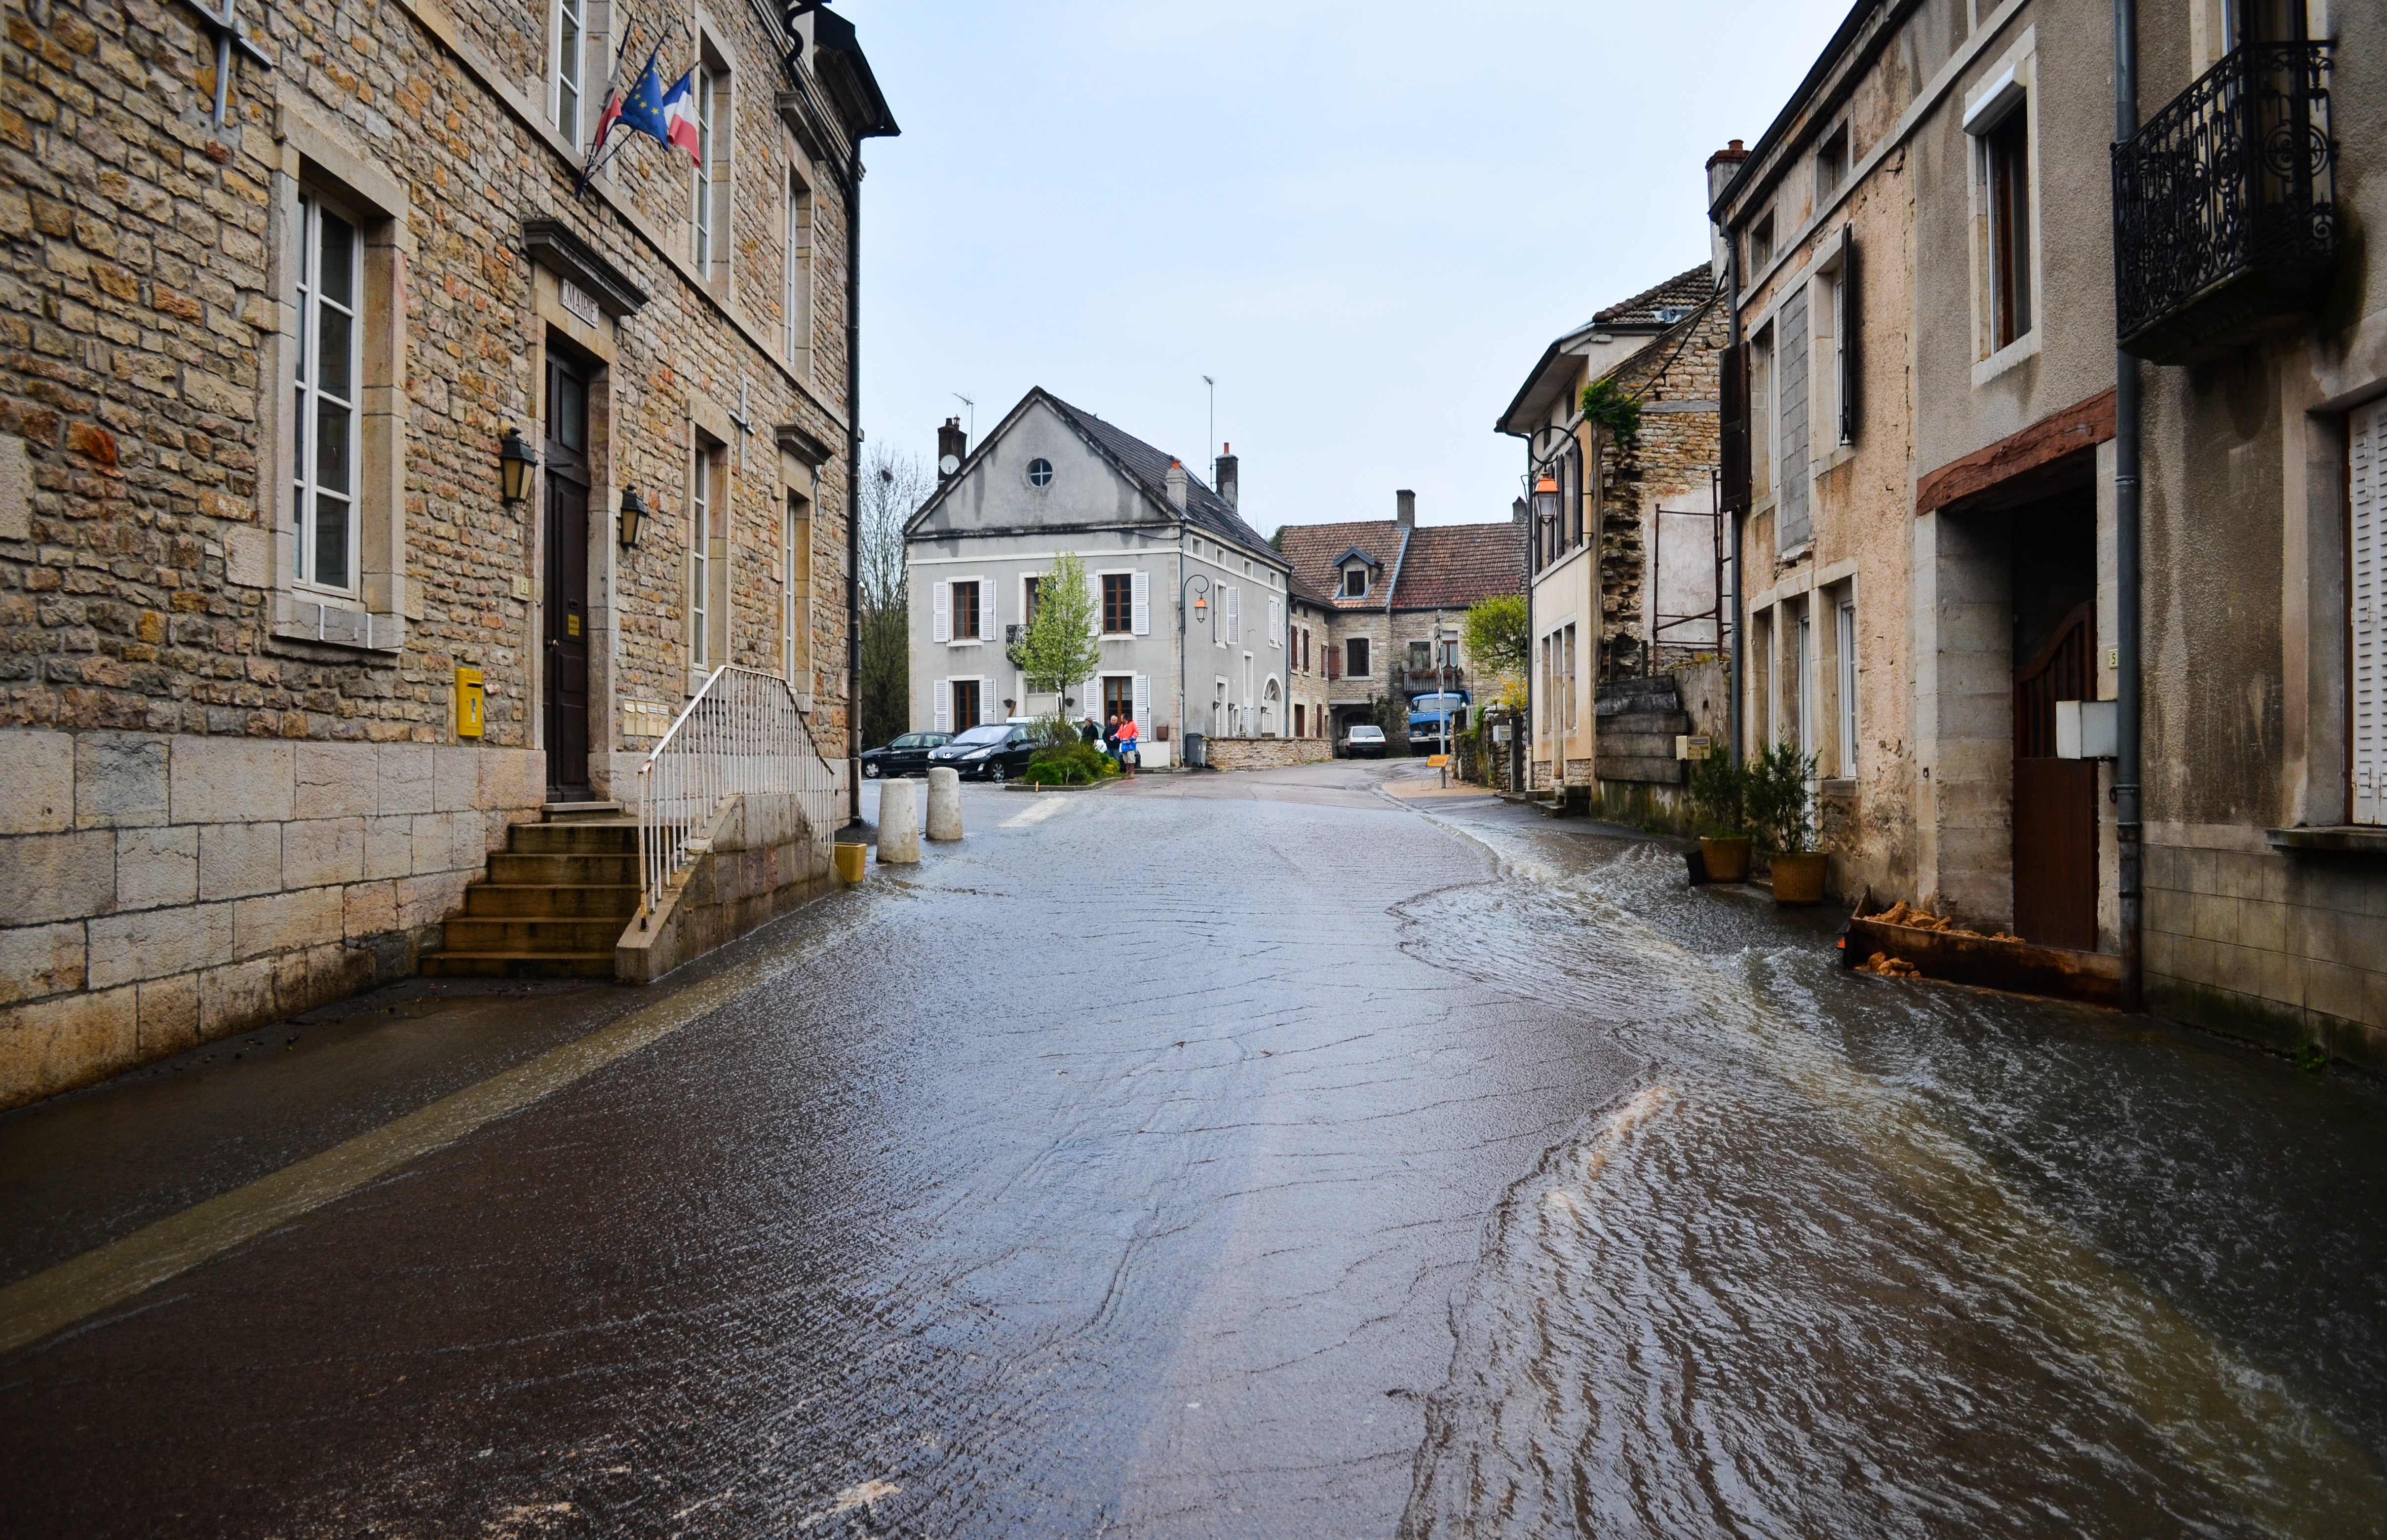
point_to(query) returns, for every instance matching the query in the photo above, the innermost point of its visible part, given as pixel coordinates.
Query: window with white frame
(713, 141)
(2365, 441)
(1847, 613)
(1999, 122)
(330, 369)
(795, 596)
(571, 67)
(1761, 415)
(797, 304)
(1793, 521)
(707, 551)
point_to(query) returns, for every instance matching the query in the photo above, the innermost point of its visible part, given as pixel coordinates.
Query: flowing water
(1859, 1256)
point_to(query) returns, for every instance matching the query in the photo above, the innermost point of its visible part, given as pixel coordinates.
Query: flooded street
(1234, 1155)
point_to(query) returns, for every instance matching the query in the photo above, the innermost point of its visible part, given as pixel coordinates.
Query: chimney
(1723, 167)
(1229, 476)
(1519, 512)
(1405, 508)
(1176, 482)
(952, 448)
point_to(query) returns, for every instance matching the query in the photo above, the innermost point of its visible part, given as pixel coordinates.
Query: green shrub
(1070, 764)
(1778, 797)
(1719, 795)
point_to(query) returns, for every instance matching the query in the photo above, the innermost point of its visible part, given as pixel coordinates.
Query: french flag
(679, 117)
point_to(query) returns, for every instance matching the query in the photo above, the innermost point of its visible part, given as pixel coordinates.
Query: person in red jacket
(1127, 740)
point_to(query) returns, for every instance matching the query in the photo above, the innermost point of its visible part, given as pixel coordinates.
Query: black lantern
(633, 510)
(516, 460)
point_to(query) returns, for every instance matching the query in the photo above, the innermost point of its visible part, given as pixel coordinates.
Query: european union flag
(643, 110)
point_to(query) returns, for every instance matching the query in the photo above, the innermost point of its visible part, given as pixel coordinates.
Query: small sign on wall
(1694, 746)
(576, 301)
(470, 706)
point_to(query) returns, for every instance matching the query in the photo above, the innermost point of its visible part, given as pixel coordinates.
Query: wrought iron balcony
(2224, 212)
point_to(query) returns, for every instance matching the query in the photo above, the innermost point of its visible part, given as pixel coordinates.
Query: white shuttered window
(940, 623)
(1235, 615)
(945, 723)
(2367, 609)
(1141, 603)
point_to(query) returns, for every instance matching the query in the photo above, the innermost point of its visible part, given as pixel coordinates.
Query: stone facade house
(1310, 641)
(1394, 594)
(1191, 603)
(1978, 519)
(1624, 546)
(285, 659)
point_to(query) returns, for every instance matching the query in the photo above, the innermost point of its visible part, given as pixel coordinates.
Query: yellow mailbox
(470, 704)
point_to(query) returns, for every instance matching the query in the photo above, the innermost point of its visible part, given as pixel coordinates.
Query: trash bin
(1197, 752)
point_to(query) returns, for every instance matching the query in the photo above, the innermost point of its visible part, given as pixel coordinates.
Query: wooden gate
(2055, 800)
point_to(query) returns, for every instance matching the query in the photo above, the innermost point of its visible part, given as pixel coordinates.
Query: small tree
(1058, 647)
(894, 484)
(1498, 643)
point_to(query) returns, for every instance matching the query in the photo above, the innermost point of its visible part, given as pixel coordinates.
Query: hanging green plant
(1612, 410)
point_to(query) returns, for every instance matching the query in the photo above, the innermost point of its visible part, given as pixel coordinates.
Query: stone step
(1648, 768)
(519, 964)
(618, 838)
(544, 901)
(1666, 724)
(508, 936)
(564, 813)
(564, 871)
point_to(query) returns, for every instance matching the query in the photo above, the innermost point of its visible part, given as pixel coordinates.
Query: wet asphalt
(1228, 1155)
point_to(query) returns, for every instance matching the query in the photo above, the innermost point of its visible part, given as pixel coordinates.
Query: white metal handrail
(744, 733)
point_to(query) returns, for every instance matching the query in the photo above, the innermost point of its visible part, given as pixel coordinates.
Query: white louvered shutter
(1235, 615)
(986, 625)
(1140, 598)
(1143, 707)
(2367, 609)
(1276, 623)
(941, 620)
(945, 702)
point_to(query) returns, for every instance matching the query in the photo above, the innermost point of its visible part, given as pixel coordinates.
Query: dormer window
(1354, 582)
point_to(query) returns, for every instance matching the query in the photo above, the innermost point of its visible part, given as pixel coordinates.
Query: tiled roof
(1439, 566)
(1204, 508)
(1684, 291)
(1452, 566)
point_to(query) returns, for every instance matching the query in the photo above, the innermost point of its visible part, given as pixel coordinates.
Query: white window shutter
(987, 617)
(941, 627)
(1142, 706)
(2367, 609)
(1141, 597)
(1235, 615)
(945, 723)
(1276, 623)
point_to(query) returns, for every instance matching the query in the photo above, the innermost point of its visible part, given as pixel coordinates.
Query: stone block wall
(1265, 753)
(163, 889)
(765, 859)
(2283, 950)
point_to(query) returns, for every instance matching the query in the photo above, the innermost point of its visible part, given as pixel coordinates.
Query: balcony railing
(2224, 212)
(744, 734)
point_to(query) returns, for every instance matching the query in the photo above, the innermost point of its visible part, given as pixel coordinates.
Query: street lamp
(516, 460)
(1201, 608)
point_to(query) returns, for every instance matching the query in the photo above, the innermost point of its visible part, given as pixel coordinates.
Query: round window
(1040, 473)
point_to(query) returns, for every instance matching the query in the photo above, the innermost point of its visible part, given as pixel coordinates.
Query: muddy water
(1857, 1255)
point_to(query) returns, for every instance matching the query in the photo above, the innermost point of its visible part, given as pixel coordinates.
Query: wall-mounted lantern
(634, 513)
(516, 460)
(1546, 500)
(1201, 607)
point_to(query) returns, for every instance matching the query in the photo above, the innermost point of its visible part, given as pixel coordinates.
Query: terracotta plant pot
(1799, 878)
(1726, 858)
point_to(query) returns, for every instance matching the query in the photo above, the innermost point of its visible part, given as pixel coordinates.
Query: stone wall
(167, 888)
(1265, 753)
(765, 859)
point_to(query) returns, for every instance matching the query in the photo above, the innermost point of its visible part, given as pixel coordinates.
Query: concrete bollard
(899, 822)
(944, 804)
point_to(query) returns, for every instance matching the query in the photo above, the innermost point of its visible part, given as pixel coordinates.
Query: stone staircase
(1638, 721)
(554, 901)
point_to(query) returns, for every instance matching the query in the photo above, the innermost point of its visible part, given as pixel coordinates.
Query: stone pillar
(899, 821)
(944, 804)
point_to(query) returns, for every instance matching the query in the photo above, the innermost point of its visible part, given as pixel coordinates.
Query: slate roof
(1434, 566)
(1205, 508)
(1685, 291)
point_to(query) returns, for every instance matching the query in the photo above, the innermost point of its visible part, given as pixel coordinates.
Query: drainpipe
(853, 488)
(1737, 670)
(2128, 829)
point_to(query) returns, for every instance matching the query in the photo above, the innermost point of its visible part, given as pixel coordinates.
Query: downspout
(2130, 829)
(853, 487)
(1737, 670)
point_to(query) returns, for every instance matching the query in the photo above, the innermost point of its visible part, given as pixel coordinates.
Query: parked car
(1426, 713)
(906, 755)
(1364, 742)
(994, 752)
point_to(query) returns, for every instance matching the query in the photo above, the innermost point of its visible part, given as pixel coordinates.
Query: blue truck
(1426, 713)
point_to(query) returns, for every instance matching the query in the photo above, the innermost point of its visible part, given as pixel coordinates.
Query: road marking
(33, 1309)
(1045, 807)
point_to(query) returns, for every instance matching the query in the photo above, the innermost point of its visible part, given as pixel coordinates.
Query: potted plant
(1781, 808)
(1719, 790)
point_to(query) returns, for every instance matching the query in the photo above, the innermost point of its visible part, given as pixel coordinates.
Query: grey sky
(1366, 220)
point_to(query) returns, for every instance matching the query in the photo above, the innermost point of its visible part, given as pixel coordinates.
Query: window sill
(334, 625)
(2013, 353)
(2340, 840)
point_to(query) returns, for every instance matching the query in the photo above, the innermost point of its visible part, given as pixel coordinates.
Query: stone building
(286, 659)
(1191, 603)
(1394, 595)
(1625, 553)
(1974, 518)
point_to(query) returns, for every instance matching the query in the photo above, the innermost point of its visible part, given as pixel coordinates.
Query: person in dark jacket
(1110, 739)
(1090, 730)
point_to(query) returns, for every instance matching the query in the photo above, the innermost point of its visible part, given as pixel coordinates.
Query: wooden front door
(565, 706)
(2055, 800)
